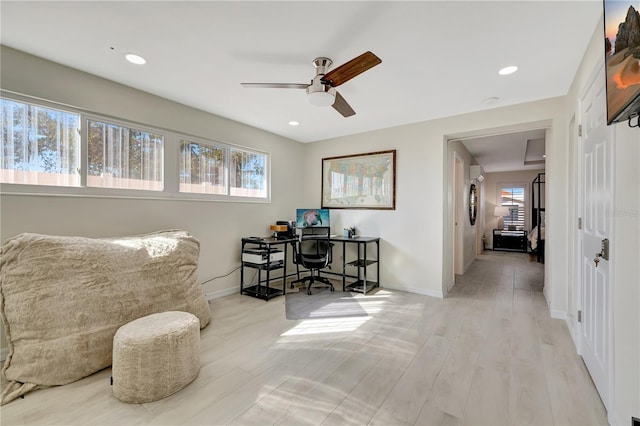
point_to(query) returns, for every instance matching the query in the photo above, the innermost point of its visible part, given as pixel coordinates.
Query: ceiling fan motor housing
(322, 64)
(319, 93)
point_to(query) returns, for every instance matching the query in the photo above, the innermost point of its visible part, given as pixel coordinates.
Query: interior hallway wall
(469, 232)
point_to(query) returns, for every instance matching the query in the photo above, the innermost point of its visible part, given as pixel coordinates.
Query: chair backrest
(314, 247)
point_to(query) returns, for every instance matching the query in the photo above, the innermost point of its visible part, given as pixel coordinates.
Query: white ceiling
(508, 152)
(439, 58)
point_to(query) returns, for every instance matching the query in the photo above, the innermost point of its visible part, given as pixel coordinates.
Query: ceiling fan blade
(274, 85)
(342, 106)
(348, 70)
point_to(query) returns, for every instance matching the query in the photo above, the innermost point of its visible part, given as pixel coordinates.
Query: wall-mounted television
(312, 217)
(622, 58)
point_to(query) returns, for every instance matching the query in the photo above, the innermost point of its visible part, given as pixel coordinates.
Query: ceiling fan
(321, 91)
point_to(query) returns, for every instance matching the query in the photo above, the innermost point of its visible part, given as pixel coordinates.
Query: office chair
(313, 251)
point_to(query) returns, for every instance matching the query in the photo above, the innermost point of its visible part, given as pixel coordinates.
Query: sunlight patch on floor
(327, 325)
(343, 315)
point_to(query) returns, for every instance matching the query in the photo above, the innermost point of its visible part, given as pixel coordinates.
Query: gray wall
(218, 225)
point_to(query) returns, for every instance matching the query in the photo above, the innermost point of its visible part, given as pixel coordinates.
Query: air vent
(476, 172)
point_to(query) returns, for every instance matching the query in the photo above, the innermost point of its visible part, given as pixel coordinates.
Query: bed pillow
(63, 298)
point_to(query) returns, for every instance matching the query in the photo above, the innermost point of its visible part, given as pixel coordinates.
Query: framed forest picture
(360, 181)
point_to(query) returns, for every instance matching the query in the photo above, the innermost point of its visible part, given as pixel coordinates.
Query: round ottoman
(155, 356)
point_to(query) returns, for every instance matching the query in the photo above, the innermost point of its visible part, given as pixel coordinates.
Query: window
(45, 148)
(512, 197)
(206, 168)
(40, 146)
(119, 157)
(202, 168)
(248, 174)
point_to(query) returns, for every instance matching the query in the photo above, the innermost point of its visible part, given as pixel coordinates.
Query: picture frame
(473, 204)
(360, 181)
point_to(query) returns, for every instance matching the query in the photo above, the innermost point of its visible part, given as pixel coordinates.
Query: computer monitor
(312, 217)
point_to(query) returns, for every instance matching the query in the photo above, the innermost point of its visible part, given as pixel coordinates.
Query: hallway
(523, 353)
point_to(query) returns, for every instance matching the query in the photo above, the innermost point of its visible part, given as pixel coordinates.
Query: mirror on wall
(473, 203)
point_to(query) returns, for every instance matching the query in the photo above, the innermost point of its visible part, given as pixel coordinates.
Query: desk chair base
(314, 279)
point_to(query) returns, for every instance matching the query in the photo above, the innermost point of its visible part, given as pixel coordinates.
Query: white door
(597, 202)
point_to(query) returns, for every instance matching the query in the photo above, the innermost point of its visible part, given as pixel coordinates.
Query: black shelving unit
(361, 263)
(262, 289)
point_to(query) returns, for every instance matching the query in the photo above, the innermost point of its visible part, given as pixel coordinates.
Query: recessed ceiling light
(491, 101)
(135, 59)
(508, 70)
(293, 123)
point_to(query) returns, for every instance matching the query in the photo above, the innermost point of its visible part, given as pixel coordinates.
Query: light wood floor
(487, 354)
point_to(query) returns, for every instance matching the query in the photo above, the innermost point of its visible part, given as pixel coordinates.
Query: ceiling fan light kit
(322, 99)
(321, 91)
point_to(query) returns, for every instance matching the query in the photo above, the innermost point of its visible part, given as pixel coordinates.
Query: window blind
(513, 198)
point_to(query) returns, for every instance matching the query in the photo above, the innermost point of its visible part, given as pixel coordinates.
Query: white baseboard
(422, 291)
(222, 293)
(573, 332)
(562, 315)
(466, 267)
(450, 285)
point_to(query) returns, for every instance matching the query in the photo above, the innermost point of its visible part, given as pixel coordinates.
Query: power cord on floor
(229, 273)
(221, 276)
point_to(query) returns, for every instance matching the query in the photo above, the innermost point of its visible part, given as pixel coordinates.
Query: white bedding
(533, 237)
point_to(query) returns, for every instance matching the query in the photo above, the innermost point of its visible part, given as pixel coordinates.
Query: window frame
(227, 148)
(201, 141)
(267, 173)
(171, 162)
(59, 108)
(84, 150)
(525, 186)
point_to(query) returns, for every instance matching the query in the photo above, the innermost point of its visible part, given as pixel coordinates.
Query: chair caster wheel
(309, 292)
(333, 289)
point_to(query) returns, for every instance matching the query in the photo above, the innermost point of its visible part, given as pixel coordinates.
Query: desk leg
(378, 262)
(266, 299)
(358, 265)
(364, 259)
(284, 272)
(344, 266)
(241, 271)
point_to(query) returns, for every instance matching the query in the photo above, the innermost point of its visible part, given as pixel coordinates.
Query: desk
(259, 290)
(263, 289)
(362, 285)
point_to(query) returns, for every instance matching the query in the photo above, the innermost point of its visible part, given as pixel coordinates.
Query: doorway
(465, 243)
(457, 213)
